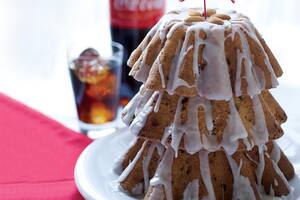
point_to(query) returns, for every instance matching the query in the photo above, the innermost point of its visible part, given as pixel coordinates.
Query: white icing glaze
(192, 191)
(178, 128)
(118, 166)
(213, 81)
(156, 108)
(146, 162)
(161, 73)
(208, 115)
(142, 115)
(144, 98)
(234, 130)
(260, 167)
(260, 131)
(205, 174)
(167, 133)
(242, 189)
(281, 175)
(128, 111)
(192, 141)
(130, 167)
(163, 174)
(276, 153)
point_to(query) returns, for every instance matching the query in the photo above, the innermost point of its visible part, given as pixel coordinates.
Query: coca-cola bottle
(130, 22)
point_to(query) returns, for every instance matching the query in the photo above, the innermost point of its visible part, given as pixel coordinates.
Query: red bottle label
(136, 13)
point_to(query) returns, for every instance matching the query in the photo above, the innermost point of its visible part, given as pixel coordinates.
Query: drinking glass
(95, 78)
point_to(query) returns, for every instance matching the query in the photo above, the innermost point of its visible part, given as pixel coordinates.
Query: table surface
(34, 34)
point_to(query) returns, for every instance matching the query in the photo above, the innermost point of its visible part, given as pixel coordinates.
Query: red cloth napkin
(37, 155)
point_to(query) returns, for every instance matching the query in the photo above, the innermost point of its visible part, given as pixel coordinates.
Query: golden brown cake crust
(187, 168)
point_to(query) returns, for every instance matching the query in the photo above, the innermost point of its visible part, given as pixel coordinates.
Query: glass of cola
(96, 82)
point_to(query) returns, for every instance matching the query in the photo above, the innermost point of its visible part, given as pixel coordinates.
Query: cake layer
(156, 171)
(196, 123)
(217, 58)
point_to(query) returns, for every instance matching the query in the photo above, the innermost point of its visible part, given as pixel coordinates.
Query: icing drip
(142, 115)
(156, 108)
(174, 80)
(142, 74)
(260, 167)
(167, 133)
(118, 166)
(161, 73)
(213, 81)
(146, 163)
(178, 128)
(130, 167)
(205, 174)
(282, 177)
(192, 141)
(128, 111)
(144, 98)
(163, 174)
(238, 84)
(192, 190)
(276, 153)
(241, 185)
(234, 130)
(208, 115)
(260, 130)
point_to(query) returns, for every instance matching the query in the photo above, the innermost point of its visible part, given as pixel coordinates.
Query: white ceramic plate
(96, 180)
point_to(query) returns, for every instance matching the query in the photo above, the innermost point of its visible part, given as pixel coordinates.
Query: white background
(34, 35)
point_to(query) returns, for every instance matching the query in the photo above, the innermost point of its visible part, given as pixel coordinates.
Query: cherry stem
(205, 9)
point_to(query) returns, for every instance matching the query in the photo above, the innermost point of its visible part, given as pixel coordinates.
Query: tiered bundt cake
(204, 118)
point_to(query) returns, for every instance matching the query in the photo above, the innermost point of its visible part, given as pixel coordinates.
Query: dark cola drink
(95, 85)
(130, 22)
